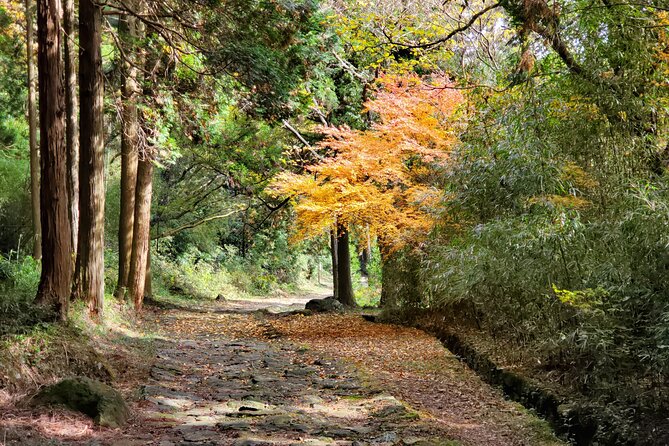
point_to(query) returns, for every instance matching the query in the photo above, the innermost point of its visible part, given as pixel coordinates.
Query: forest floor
(242, 373)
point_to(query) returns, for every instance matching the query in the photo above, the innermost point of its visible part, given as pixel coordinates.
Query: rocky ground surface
(230, 374)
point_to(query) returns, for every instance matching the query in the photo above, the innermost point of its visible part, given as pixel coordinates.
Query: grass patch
(45, 352)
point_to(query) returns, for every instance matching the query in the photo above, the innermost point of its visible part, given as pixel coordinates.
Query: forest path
(235, 374)
(229, 374)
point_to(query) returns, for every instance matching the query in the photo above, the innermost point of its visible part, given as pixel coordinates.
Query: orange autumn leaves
(380, 178)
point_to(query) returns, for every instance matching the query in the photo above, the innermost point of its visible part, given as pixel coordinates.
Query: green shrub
(586, 294)
(19, 279)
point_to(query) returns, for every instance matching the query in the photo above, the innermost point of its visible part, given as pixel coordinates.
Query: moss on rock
(99, 401)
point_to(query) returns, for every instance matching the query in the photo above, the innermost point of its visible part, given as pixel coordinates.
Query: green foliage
(21, 276)
(15, 214)
(585, 300)
(13, 73)
(270, 53)
(199, 275)
(15, 218)
(18, 284)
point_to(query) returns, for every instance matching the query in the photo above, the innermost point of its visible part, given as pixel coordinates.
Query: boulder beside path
(102, 403)
(327, 305)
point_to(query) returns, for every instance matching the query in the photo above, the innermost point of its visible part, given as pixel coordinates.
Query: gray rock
(93, 398)
(386, 437)
(250, 408)
(201, 435)
(233, 424)
(327, 305)
(263, 379)
(411, 441)
(248, 441)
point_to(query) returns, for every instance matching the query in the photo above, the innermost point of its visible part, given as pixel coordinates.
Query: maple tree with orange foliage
(379, 178)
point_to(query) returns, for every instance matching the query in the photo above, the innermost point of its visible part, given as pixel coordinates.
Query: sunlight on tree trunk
(91, 168)
(148, 287)
(71, 118)
(32, 135)
(132, 30)
(54, 286)
(140, 238)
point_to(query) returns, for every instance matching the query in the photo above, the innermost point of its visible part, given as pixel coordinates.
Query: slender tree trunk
(148, 287)
(71, 119)
(344, 283)
(140, 236)
(385, 274)
(363, 258)
(32, 135)
(335, 268)
(129, 150)
(56, 276)
(386, 268)
(91, 166)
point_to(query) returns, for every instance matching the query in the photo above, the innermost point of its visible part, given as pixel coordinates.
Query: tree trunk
(32, 138)
(385, 274)
(129, 149)
(148, 287)
(333, 254)
(71, 119)
(56, 276)
(91, 166)
(344, 283)
(364, 258)
(140, 236)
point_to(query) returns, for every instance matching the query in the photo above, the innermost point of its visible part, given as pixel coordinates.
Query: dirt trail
(227, 374)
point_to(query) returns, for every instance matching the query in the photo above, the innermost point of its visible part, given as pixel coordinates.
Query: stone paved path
(215, 390)
(235, 374)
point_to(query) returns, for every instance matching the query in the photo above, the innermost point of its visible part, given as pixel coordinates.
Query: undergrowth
(35, 350)
(206, 276)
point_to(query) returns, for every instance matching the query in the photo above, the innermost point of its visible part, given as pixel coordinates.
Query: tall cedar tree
(90, 257)
(32, 134)
(131, 32)
(56, 276)
(141, 232)
(71, 118)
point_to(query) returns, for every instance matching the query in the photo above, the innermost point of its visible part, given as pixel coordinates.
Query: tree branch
(448, 36)
(194, 224)
(299, 136)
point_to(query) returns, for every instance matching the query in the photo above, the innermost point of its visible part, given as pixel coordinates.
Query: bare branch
(299, 136)
(448, 36)
(195, 224)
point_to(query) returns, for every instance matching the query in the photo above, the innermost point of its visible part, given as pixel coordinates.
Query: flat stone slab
(201, 435)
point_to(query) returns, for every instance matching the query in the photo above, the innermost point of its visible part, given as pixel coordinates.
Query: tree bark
(71, 119)
(129, 150)
(364, 258)
(148, 287)
(140, 236)
(56, 276)
(385, 274)
(32, 135)
(344, 283)
(91, 166)
(333, 254)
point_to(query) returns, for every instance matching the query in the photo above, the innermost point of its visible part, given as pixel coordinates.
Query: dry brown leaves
(418, 369)
(407, 362)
